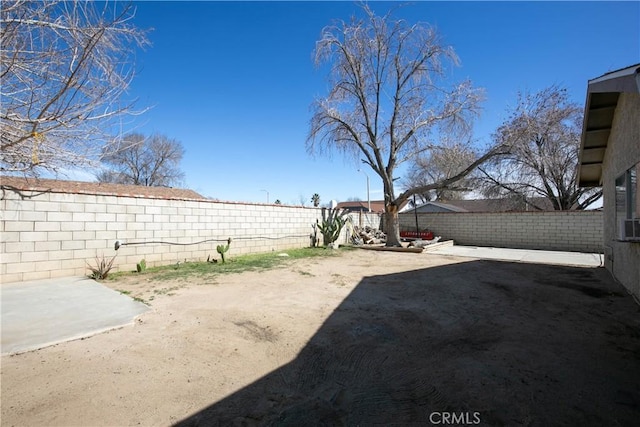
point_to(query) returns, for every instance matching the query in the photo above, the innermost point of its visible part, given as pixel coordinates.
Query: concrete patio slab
(41, 313)
(574, 259)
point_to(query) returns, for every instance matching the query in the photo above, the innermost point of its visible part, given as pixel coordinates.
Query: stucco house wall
(622, 258)
(609, 157)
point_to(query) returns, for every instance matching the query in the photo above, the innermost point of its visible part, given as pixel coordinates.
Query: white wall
(576, 231)
(47, 235)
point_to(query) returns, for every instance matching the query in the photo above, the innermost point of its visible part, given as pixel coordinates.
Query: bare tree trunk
(391, 224)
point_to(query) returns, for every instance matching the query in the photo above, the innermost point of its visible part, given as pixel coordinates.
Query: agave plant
(332, 222)
(102, 268)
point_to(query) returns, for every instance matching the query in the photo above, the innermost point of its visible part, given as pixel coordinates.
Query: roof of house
(377, 206)
(602, 100)
(358, 205)
(443, 206)
(493, 205)
(96, 188)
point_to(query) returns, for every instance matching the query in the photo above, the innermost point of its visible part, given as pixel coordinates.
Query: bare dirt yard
(366, 338)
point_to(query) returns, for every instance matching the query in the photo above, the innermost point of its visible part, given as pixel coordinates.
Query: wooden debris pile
(420, 243)
(368, 236)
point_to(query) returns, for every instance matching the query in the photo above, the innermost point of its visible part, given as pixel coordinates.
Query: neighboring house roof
(96, 188)
(487, 205)
(439, 207)
(601, 103)
(358, 205)
(377, 206)
(504, 205)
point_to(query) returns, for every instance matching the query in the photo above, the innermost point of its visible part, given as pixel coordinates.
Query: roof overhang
(602, 100)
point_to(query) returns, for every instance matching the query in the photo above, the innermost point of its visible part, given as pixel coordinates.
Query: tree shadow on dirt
(482, 342)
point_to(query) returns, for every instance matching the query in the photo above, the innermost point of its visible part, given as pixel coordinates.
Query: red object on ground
(424, 235)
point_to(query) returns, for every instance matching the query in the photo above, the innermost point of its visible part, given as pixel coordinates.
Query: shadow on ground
(494, 343)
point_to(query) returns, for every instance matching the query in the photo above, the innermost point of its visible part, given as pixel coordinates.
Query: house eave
(602, 99)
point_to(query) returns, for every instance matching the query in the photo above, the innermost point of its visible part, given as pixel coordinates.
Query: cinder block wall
(47, 235)
(576, 231)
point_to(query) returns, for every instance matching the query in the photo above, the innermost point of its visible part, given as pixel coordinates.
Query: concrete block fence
(49, 234)
(574, 231)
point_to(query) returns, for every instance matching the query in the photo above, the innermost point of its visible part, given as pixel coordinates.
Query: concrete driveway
(572, 259)
(41, 313)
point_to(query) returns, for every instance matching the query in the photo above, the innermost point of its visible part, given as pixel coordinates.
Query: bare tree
(137, 160)
(65, 66)
(389, 100)
(439, 164)
(544, 132)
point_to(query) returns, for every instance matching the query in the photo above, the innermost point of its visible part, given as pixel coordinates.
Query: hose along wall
(242, 245)
(118, 244)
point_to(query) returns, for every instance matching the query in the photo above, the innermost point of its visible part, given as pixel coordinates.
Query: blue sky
(233, 81)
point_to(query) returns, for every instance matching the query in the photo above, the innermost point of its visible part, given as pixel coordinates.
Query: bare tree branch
(438, 163)
(138, 160)
(544, 133)
(388, 97)
(446, 182)
(65, 69)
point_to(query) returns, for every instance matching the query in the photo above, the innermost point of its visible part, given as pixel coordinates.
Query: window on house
(628, 204)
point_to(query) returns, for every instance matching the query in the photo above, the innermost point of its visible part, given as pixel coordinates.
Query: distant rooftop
(359, 205)
(377, 206)
(96, 188)
(491, 205)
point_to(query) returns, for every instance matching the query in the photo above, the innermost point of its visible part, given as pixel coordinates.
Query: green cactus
(332, 222)
(222, 249)
(141, 266)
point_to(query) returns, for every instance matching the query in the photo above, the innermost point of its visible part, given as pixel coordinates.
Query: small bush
(102, 268)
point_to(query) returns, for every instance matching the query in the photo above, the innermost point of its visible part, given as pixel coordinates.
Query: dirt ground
(367, 338)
